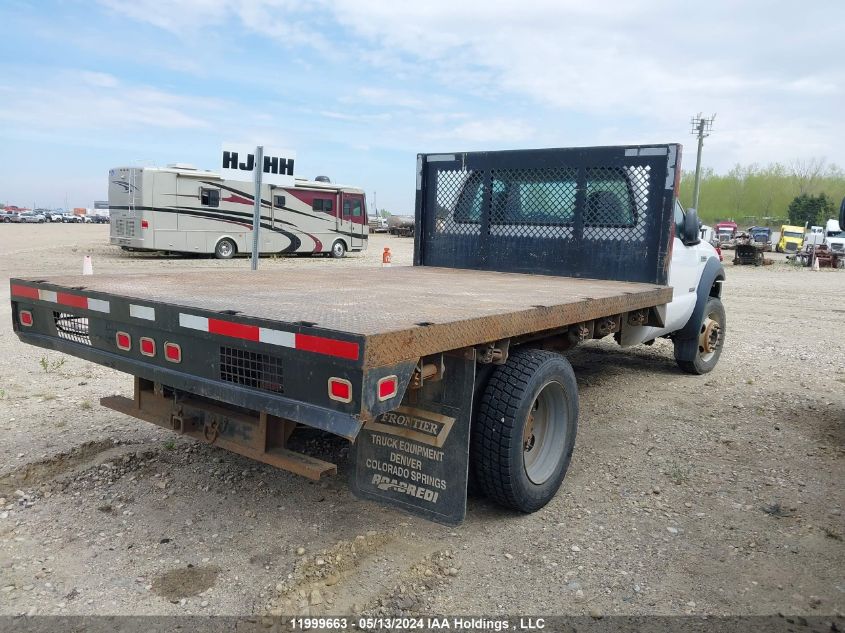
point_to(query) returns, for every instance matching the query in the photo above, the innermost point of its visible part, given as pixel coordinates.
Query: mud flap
(417, 456)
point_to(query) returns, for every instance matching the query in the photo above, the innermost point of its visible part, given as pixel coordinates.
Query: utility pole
(701, 127)
(375, 203)
(256, 210)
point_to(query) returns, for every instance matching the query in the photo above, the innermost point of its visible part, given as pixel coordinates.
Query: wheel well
(716, 288)
(343, 241)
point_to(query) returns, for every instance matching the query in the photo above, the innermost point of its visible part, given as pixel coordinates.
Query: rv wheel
(338, 249)
(225, 249)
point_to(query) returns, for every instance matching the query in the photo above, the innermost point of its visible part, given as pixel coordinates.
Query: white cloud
(86, 101)
(491, 131)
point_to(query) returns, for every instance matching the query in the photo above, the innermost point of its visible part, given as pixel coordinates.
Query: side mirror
(691, 235)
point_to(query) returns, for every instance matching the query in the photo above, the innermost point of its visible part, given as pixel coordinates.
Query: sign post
(263, 165)
(256, 211)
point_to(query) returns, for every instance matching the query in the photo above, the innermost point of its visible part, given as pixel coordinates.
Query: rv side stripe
(63, 298)
(27, 292)
(302, 342)
(142, 312)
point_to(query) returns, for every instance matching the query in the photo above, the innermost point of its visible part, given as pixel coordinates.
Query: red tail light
(387, 387)
(340, 390)
(25, 318)
(123, 340)
(145, 224)
(148, 346)
(173, 352)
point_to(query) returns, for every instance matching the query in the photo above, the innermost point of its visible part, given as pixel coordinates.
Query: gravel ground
(720, 494)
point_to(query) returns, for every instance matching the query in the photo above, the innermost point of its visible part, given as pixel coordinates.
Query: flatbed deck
(402, 312)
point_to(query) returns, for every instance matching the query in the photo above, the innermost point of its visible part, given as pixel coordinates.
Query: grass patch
(678, 473)
(86, 404)
(51, 366)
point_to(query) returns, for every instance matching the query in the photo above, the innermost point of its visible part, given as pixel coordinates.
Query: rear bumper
(129, 242)
(337, 422)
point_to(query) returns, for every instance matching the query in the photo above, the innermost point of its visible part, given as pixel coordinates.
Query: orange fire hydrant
(385, 257)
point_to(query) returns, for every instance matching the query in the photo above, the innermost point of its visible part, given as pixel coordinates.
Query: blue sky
(359, 87)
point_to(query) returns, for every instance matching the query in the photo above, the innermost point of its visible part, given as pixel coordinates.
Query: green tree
(808, 209)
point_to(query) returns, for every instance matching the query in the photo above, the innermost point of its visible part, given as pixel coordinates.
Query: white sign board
(237, 162)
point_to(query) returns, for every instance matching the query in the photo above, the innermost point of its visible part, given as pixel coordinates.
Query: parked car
(31, 217)
(11, 217)
(69, 218)
(101, 219)
(55, 216)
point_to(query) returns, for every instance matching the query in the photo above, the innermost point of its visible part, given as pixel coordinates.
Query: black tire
(700, 355)
(338, 249)
(500, 449)
(225, 249)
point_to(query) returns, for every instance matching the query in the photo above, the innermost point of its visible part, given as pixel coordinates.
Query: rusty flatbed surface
(403, 312)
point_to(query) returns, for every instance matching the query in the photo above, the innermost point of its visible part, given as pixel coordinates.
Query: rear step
(255, 435)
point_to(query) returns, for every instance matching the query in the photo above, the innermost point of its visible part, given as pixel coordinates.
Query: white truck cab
(689, 264)
(834, 236)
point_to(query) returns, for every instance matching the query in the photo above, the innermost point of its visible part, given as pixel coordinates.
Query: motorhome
(181, 209)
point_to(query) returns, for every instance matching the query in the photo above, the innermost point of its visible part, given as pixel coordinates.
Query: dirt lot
(721, 494)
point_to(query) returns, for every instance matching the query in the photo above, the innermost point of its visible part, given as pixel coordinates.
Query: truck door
(354, 218)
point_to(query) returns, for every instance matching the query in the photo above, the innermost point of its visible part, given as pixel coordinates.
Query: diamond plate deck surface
(404, 312)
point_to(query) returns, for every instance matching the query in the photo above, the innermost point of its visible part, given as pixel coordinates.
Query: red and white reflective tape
(302, 342)
(62, 298)
(142, 312)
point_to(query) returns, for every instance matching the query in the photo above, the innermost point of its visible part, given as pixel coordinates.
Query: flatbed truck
(438, 373)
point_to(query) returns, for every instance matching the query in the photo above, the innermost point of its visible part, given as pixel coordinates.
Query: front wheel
(225, 249)
(338, 249)
(700, 355)
(524, 433)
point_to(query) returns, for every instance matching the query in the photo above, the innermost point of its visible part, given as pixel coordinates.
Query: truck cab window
(210, 197)
(543, 199)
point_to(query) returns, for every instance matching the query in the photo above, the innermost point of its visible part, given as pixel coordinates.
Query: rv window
(210, 197)
(322, 204)
(278, 201)
(356, 208)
